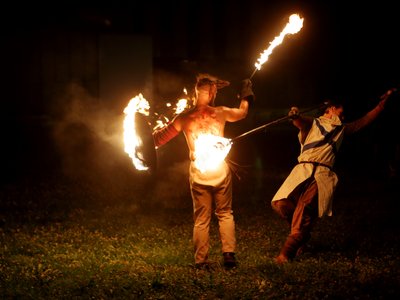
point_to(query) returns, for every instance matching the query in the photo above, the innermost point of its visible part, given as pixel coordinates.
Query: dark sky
(342, 49)
(345, 50)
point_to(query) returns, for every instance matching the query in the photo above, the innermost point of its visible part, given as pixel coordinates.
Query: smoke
(79, 107)
(88, 136)
(171, 189)
(89, 140)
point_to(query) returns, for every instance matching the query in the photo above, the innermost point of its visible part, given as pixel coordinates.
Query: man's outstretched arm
(370, 116)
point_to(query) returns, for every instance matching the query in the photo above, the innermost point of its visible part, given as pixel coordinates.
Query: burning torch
(212, 150)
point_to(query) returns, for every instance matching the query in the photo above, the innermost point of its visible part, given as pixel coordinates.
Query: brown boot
(281, 259)
(288, 251)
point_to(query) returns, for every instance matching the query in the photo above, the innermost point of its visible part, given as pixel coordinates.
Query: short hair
(203, 79)
(331, 103)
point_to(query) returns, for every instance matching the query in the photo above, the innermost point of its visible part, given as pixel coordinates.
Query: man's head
(334, 108)
(207, 86)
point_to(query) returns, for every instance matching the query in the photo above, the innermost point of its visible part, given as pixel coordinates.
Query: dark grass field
(103, 238)
(78, 222)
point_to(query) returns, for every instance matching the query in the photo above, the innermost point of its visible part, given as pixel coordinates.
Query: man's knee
(224, 214)
(282, 209)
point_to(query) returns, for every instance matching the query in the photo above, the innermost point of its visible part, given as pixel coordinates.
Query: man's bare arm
(236, 114)
(355, 126)
(167, 133)
(303, 123)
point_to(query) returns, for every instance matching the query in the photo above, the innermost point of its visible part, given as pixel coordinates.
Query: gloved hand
(246, 91)
(293, 113)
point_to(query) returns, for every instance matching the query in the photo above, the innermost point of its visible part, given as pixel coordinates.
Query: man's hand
(388, 93)
(293, 113)
(246, 91)
(385, 96)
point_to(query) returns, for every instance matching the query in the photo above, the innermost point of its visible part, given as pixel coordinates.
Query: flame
(181, 105)
(132, 141)
(293, 26)
(210, 151)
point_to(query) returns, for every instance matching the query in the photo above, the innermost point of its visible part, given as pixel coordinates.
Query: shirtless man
(210, 185)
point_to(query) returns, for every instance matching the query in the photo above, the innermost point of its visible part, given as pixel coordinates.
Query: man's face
(213, 91)
(337, 111)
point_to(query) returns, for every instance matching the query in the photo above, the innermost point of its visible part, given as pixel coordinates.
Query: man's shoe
(281, 259)
(229, 260)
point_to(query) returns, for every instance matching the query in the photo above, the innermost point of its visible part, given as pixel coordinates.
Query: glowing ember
(180, 106)
(161, 122)
(210, 151)
(293, 26)
(132, 141)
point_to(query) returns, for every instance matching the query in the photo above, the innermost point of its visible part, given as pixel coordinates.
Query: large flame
(293, 26)
(133, 141)
(210, 151)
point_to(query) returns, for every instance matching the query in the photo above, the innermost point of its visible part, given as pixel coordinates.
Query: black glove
(246, 91)
(293, 113)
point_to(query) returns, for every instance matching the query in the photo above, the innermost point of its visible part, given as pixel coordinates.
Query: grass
(63, 239)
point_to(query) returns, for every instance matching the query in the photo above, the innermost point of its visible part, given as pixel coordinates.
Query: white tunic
(320, 146)
(210, 177)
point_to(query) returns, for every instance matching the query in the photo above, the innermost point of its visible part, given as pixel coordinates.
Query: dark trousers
(300, 210)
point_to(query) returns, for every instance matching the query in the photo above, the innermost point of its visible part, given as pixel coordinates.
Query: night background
(70, 68)
(82, 62)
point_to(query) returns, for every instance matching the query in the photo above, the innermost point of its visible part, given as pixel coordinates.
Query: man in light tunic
(307, 192)
(209, 185)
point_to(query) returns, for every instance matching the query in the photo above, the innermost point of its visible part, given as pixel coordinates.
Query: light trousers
(204, 197)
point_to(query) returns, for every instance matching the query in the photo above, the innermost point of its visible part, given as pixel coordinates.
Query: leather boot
(288, 251)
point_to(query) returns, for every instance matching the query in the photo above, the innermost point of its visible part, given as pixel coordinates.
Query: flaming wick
(293, 26)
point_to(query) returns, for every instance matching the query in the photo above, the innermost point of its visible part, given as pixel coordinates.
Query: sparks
(293, 26)
(132, 140)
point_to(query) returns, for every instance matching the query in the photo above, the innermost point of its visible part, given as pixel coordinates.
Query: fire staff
(307, 192)
(209, 185)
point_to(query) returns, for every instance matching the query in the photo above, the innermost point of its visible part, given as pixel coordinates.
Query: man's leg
(224, 213)
(202, 207)
(285, 209)
(305, 214)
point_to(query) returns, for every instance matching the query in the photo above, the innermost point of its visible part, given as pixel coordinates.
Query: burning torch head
(209, 84)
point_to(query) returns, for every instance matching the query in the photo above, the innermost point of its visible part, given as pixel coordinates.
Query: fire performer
(307, 192)
(208, 186)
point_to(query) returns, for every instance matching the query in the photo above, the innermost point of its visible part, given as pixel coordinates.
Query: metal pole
(284, 118)
(254, 72)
